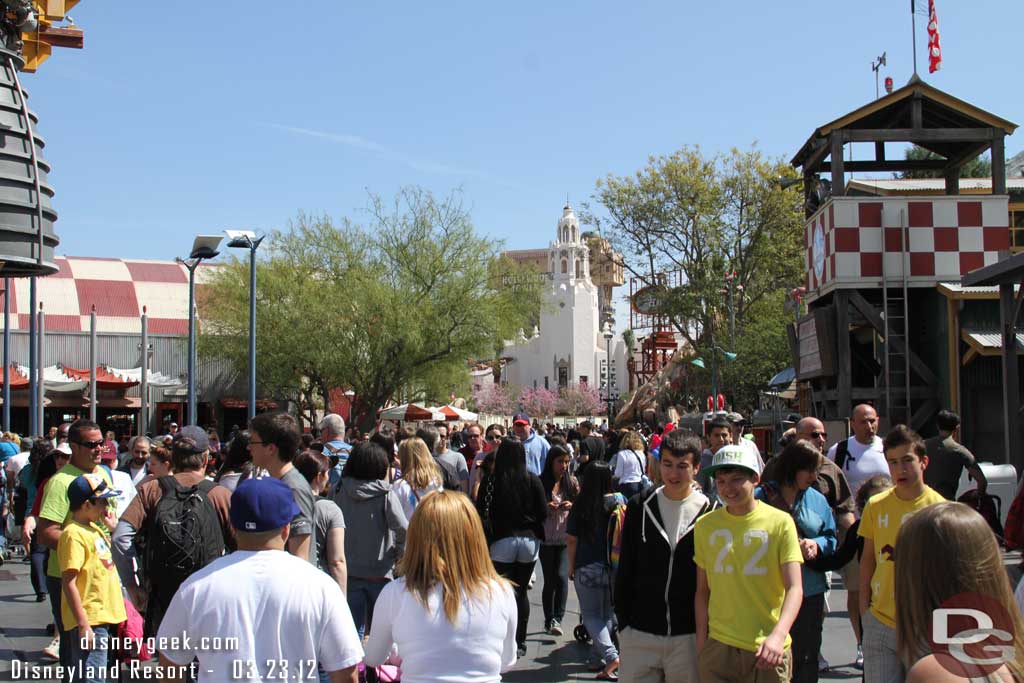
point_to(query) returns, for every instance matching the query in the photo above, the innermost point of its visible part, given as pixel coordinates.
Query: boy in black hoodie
(657, 577)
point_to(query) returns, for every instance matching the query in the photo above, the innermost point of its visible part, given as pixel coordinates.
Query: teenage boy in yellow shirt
(749, 588)
(907, 457)
(91, 589)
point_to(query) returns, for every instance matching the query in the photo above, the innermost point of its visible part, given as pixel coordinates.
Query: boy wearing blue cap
(92, 591)
(274, 615)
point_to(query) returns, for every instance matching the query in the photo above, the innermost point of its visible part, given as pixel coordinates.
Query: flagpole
(913, 33)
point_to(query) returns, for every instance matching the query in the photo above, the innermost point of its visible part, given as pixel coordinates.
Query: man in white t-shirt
(260, 613)
(860, 457)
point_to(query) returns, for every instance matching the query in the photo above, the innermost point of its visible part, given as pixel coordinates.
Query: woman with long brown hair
(948, 554)
(450, 613)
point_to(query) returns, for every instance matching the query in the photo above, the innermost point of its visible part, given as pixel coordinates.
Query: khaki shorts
(721, 663)
(851, 571)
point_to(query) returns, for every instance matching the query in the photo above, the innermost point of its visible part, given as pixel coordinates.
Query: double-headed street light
(247, 239)
(203, 248)
(608, 334)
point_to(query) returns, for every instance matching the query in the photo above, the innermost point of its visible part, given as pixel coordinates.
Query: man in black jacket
(657, 577)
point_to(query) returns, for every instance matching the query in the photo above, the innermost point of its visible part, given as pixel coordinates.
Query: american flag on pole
(934, 49)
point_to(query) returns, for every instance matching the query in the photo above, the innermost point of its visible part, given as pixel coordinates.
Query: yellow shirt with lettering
(85, 548)
(883, 516)
(743, 557)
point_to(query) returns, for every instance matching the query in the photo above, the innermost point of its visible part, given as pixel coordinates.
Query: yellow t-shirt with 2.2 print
(83, 547)
(883, 516)
(743, 557)
(55, 506)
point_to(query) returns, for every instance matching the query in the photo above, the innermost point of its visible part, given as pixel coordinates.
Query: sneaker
(556, 628)
(52, 651)
(521, 651)
(823, 664)
(533, 580)
(859, 662)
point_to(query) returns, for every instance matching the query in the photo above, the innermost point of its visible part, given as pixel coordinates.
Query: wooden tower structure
(878, 328)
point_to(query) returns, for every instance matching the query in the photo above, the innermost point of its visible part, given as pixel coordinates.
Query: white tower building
(568, 347)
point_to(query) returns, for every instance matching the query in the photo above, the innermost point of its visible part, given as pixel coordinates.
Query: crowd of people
(409, 553)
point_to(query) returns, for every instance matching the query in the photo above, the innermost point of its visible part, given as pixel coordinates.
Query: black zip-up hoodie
(655, 588)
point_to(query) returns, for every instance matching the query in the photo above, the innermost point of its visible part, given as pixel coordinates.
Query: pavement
(549, 659)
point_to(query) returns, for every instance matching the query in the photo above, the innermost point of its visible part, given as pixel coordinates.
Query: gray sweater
(376, 526)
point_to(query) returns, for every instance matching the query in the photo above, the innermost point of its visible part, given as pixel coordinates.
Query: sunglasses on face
(90, 444)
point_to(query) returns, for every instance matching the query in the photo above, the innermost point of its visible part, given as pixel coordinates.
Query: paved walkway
(549, 659)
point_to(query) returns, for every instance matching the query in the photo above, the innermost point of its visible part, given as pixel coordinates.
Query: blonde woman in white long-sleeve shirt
(450, 617)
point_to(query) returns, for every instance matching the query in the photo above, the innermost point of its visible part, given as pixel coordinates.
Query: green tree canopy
(706, 217)
(392, 309)
(979, 167)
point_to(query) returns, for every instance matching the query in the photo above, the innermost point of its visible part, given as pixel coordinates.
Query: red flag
(934, 49)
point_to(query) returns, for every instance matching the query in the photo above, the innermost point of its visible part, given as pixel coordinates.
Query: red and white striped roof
(118, 288)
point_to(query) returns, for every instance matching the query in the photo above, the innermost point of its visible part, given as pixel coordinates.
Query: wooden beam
(923, 414)
(879, 151)
(918, 134)
(62, 37)
(821, 151)
(875, 320)
(952, 176)
(836, 146)
(998, 165)
(953, 352)
(916, 111)
(1011, 378)
(892, 166)
(967, 155)
(844, 376)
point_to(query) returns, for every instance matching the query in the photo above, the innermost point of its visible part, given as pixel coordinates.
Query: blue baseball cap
(89, 487)
(521, 417)
(259, 505)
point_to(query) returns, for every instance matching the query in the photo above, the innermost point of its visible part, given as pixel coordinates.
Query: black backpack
(184, 533)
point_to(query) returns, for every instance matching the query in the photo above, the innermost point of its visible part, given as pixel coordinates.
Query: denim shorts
(515, 549)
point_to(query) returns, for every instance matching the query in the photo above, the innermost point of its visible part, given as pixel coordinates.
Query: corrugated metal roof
(928, 184)
(111, 298)
(156, 272)
(959, 290)
(992, 340)
(118, 288)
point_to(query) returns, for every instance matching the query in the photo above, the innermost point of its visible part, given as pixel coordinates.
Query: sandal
(607, 677)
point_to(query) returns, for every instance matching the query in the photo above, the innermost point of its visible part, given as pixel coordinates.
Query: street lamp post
(203, 248)
(246, 239)
(608, 334)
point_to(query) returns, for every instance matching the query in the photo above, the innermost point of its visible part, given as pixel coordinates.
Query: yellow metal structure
(38, 44)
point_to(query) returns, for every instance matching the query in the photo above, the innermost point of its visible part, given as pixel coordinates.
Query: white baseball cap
(734, 456)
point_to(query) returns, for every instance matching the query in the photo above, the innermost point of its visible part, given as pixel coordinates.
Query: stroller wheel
(581, 635)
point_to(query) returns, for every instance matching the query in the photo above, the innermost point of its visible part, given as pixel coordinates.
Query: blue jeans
(39, 554)
(53, 587)
(93, 662)
(362, 596)
(594, 591)
(515, 549)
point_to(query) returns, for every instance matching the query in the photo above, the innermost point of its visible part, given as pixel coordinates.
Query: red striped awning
(104, 378)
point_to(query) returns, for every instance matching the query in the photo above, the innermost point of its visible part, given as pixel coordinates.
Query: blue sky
(170, 124)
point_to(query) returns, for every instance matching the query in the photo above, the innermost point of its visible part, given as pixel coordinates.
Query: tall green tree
(392, 309)
(708, 217)
(979, 167)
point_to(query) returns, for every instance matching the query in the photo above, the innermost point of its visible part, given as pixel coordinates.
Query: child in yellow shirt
(880, 523)
(92, 591)
(749, 587)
